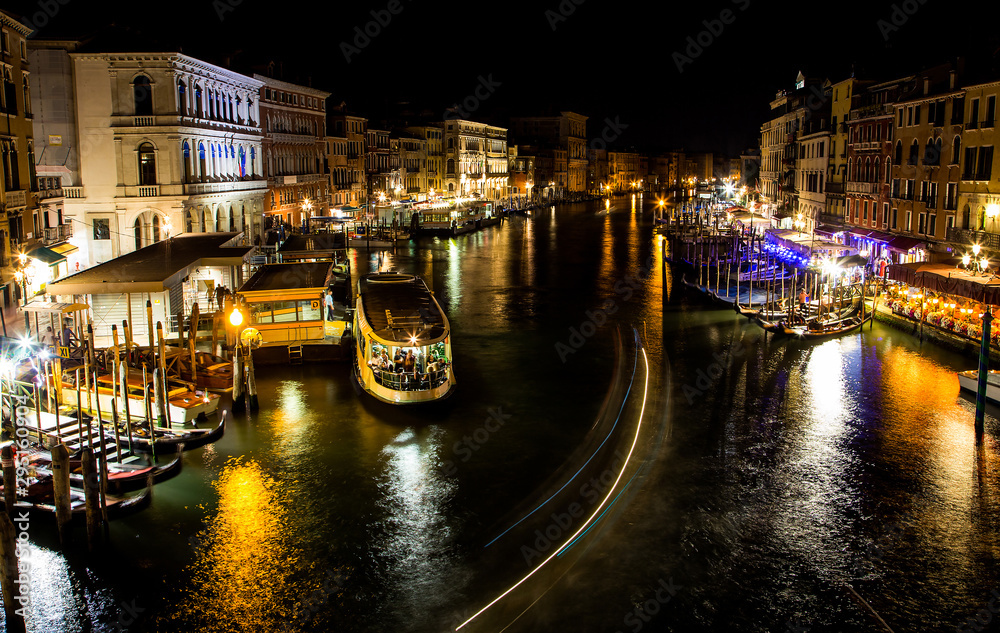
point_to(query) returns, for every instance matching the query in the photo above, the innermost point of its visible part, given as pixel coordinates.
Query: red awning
(902, 244)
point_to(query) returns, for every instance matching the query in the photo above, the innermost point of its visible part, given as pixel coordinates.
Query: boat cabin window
(286, 311)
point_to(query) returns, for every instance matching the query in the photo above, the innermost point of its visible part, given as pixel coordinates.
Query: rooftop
(289, 276)
(156, 267)
(399, 307)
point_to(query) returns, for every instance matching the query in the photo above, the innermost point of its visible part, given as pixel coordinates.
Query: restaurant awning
(850, 261)
(65, 248)
(46, 255)
(902, 244)
(828, 229)
(948, 279)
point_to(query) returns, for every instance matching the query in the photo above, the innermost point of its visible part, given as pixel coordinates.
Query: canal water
(737, 482)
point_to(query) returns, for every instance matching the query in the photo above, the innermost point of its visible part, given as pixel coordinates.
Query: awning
(64, 249)
(850, 261)
(902, 244)
(869, 234)
(63, 308)
(46, 255)
(828, 229)
(948, 279)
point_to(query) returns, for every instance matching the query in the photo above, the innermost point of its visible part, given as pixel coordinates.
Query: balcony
(869, 188)
(196, 188)
(876, 109)
(16, 199)
(144, 121)
(73, 192)
(835, 187)
(148, 191)
(967, 237)
(59, 233)
(48, 194)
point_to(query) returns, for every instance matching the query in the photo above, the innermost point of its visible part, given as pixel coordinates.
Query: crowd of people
(412, 368)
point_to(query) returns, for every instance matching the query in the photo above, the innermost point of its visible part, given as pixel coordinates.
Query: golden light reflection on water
(248, 573)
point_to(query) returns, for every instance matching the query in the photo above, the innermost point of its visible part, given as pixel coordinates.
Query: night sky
(608, 60)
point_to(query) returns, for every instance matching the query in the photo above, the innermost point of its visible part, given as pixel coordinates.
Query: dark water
(736, 483)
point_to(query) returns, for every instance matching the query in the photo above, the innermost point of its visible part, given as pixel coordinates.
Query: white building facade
(475, 159)
(167, 144)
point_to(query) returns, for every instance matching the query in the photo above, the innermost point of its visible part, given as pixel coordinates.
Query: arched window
(181, 97)
(850, 165)
(9, 93)
(156, 228)
(137, 231)
(253, 161)
(15, 168)
(899, 153)
(956, 150)
(931, 154)
(187, 162)
(876, 171)
(27, 96)
(142, 93)
(888, 166)
(147, 164)
(198, 107)
(202, 166)
(914, 151)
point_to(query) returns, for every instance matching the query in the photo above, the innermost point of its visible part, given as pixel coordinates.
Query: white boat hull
(969, 380)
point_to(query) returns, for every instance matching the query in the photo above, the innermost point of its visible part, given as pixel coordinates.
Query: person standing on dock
(328, 300)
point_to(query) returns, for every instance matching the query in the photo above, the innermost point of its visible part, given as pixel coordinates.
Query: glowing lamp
(975, 249)
(985, 263)
(992, 210)
(236, 318)
(966, 259)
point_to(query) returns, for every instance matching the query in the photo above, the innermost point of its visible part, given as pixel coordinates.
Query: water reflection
(247, 573)
(414, 495)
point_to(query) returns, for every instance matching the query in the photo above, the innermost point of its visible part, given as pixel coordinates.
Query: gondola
(815, 329)
(122, 478)
(41, 504)
(172, 440)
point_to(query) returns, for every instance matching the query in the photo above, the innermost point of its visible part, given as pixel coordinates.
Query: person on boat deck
(328, 301)
(409, 363)
(49, 338)
(68, 337)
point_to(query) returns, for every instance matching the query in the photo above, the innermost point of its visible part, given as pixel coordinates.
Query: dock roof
(156, 267)
(289, 276)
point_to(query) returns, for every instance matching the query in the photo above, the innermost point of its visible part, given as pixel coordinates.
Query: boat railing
(410, 382)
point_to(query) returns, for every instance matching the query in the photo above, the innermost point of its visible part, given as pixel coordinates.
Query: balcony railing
(73, 192)
(870, 188)
(58, 233)
(16, 199)
(969, 237)
(149, 191)
(48, 194)
(145, 121)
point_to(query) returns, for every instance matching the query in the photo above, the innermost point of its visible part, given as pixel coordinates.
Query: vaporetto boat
(402, 340)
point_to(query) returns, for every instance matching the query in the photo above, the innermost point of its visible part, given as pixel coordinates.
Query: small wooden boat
(172, 440)
(969, 381)
(816, 329)
(183, 404)
(122, 478)
(40, 498)
(747, 312)
(214, 373)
